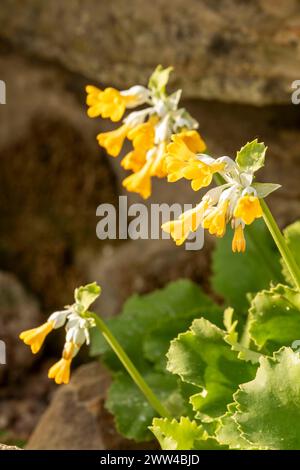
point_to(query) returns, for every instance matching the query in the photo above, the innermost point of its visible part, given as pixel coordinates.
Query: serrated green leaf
(159, 79)
(264, 189)
(133, 414)
(202, 357)
(86, 295)
(251, 157)
(182, 435)
(292, 238)
(144, 329)
(157, 342)
(275, 318)
(268, 407)
(228, 321)
(229, 434)
(245, 354)
(236, 275)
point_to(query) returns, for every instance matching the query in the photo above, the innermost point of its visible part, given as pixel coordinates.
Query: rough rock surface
(18, 310)
(76, 418)
(53, 176)
(229, 50)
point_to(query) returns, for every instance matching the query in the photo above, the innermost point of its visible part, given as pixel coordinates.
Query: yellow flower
(158, 167)
(248, 209)
(140, 182)
(215, 220)
(36, 336)
(200, 174)
(188, 222)
(182, 161)
(179, 149)
(109, 103)
(238, 241)
(134, 160)
(193, 141)
(113, 141)
(60, 371)
(142, 135)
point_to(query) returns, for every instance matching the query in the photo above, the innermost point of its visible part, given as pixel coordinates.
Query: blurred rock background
(235, 61)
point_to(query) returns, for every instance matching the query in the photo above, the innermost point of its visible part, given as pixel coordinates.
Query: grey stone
(226, 50)
(77, 419)
(18, 311)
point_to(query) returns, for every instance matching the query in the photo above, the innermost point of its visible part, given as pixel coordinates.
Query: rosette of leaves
(209, 377)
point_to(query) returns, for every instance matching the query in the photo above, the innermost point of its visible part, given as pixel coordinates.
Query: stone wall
(229, 50)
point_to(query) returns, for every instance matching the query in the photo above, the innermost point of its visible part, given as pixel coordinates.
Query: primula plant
(235, 201)
(193, 373)
(149, 129)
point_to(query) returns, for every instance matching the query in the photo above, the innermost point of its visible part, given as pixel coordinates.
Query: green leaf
(229, 434)
(133, 414)
(275, 318)
(264, 189)
(86, 295)
(145, 328)
(292, 237)
(202, 358)
(237, 274)
(230, 324)
(182, 435)
(251, 157)
(157, 342)
(159, 79)
(172, 308)
(268, 407)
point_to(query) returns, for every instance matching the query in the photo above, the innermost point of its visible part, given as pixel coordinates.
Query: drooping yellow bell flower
(200, 174)
(134, 160)
(92, 98)
(142, 136)
(178, 149)
(192, 140)
(215, 220)
(182, 161)
(113, 141)
(248, 209)
(149, 128)
(238, 241)
(36, 336)
(158, 167)
(109, 103)
(60, 371)
(140, 182)
(188, 221)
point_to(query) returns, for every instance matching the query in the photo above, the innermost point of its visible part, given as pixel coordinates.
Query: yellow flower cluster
(35, 338)
(149, 130)
(77, 321)
(235, 201)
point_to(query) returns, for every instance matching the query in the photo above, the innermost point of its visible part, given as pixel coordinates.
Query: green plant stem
(281, 244)
(130, 367)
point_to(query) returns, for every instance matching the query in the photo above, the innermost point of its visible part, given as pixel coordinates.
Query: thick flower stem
(130, 367)
(281, 244)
